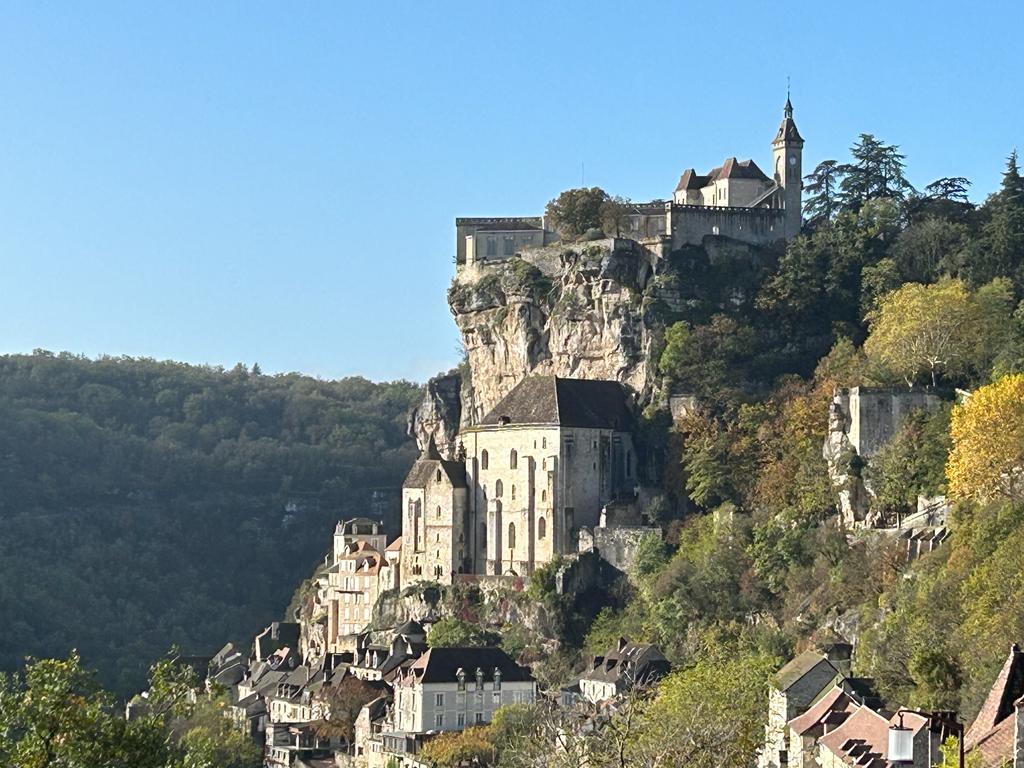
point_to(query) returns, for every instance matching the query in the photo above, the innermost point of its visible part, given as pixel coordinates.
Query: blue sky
(225, 182)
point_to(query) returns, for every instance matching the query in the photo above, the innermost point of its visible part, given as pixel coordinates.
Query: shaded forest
(147, 503)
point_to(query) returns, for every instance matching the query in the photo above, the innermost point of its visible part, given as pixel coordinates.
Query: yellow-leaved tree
(987, 459)
(940, 330)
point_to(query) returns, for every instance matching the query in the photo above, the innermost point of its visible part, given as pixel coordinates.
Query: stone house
(862, 739)
(795, 687)
(361, 571)
(997, 733)
(620, 668)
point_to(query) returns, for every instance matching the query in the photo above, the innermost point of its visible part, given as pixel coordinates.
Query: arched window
(438, 476)
(483, 460)
(542, 528)
(511, 535)
(543, 442)
(543, 494)
(513, 491)
(438, 510)
(498, 489)
(513, 460)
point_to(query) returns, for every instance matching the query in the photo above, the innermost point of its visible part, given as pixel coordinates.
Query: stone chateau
(736, 200)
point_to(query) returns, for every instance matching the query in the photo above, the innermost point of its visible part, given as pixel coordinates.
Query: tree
(615, 212)
(461, 749)
(55, 714)
(942, 330)
(821, 192)
(953, 188)
(343, 703)
(575, 211)
(1003, 234)
(987, 430)
(875, 172)
(930, 248)
(453, 632)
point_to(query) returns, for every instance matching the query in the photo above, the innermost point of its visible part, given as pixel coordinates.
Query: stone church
(536, 469)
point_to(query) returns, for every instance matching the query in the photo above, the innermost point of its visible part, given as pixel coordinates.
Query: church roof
(424, 469)
(551, 400)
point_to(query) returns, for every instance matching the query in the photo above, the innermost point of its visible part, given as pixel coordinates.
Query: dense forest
(147, 503)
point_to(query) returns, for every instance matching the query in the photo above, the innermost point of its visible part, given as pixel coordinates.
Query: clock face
(792, 159)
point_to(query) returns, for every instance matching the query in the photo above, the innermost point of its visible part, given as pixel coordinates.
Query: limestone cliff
(579, 311)
(593, 310)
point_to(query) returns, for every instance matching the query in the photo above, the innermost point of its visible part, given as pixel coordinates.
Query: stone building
(541, 465)
(448, 689)
(794, 689)
(436, 522)
(620, 668)
(363, 567)
(736, 200)
(536, 470)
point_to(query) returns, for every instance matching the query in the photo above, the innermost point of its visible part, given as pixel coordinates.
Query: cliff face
(592, 310)
(570, 311)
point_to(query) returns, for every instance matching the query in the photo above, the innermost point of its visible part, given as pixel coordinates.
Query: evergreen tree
(1002, 253)
(876, 172)
(822, 188)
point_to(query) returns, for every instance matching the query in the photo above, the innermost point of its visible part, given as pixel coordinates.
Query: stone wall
(617, 546)
(690, 224)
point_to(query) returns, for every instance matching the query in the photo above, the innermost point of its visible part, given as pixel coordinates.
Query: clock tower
(787, 155)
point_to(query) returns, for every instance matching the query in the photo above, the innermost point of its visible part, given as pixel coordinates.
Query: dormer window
(504, 420)
(460, 676)
(479, 679)
(497, 679)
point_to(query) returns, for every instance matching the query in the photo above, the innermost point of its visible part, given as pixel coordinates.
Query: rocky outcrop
(439, 414)
(581, 311)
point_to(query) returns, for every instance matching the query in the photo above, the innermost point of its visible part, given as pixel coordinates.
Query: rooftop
(552, 400)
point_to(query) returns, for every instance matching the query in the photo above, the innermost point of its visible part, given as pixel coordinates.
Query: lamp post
(901, 739)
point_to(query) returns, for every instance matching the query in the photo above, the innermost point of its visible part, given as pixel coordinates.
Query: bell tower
(787, 157)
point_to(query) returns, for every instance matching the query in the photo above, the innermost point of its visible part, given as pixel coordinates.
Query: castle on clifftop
(736, 200)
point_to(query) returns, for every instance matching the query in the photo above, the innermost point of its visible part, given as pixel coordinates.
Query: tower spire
(787, 111)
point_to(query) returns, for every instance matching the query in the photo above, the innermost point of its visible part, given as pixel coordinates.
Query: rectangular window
(439, 721)
(510, 245)
(461, 719)
(439, 700)
(479, 718)
(492, 246)
(496, 698)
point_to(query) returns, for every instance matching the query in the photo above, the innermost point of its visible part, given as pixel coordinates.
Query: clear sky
(219, 182)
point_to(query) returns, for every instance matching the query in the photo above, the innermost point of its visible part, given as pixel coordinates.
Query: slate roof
(795, 670)
(552, 400)
(628, 661)
(832, 709)
(999, 705)
(787, 129)
(730, 169)
(439, 665)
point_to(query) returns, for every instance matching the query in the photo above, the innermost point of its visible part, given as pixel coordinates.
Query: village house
(449, 689)
(363, 567)
(620, 669)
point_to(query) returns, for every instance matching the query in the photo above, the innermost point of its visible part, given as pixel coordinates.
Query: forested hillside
(143, 503)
